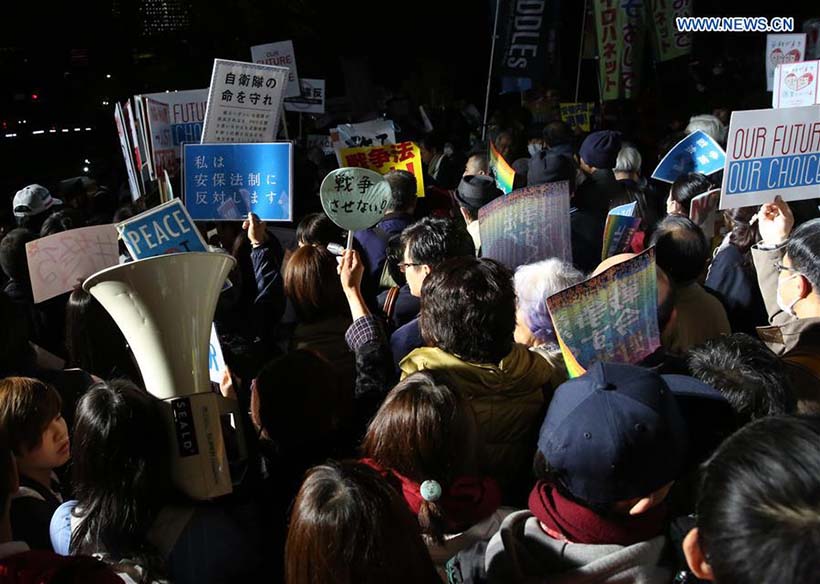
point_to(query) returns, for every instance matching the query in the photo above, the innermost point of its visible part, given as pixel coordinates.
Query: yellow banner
(383, 159)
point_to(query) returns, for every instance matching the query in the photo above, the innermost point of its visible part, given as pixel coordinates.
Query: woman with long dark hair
(732, 274)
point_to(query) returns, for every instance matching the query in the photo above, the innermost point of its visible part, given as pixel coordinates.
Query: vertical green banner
(620, 29)
(669, 42)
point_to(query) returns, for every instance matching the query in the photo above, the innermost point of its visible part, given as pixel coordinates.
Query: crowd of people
(407, 408)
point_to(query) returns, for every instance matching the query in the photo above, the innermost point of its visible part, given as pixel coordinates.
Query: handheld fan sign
(354, 198)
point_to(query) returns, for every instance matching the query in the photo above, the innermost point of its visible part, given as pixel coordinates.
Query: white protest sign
(127, 155)
(772, 152)
(783, 48)
(703, 211)
(216, 361)
(795, 84)
(174, 118)
(57, 263)
(319, 141)
(354, 198)
(373, 133)
(311, 100)
(280, 54)
(244, 102)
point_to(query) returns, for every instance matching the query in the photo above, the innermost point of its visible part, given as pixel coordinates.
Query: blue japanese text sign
(226, 181)
(698, 152)
(164, 229)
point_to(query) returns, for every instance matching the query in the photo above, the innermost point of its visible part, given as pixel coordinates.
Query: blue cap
(616, 432)
(600, 149)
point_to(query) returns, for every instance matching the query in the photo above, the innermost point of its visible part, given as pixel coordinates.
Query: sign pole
(580, 51)
(490, 73)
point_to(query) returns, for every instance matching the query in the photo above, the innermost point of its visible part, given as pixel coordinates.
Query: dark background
(54, 60)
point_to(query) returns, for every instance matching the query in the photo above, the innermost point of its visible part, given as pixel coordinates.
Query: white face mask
(787, 308)
(533, 149)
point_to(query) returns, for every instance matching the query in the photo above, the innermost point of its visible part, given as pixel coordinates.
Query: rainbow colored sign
(611, 317)
(502, 172)
(621, 225)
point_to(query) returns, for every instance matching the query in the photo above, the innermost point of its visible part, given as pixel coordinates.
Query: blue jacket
(373, 248)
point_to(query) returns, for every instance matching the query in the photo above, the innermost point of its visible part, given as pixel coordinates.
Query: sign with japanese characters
(782, 49)
(320, 141)
(59, 262)
(578, 115)
(383, 159)
(621, 224)
(620, 30)
(244, 102)
(611, 317)
(670, 42)
(225, 182)
(528, 225)
(698, 152)
(373, 133)
(772, 152)
(796, 84)
(354, 198)
(166, 228)
(280, 54)
(311, 100)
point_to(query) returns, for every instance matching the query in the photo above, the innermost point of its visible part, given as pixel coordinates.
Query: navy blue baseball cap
(617, 433)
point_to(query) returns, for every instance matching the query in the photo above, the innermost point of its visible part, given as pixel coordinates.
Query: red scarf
(464, 502)
(567, 520)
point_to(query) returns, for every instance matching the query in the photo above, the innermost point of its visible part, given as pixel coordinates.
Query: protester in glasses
(788, 273)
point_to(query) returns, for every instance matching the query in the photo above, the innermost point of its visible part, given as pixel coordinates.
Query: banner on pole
(670, 42)
(244, 102)
(620, 28)
(772, 152)
(225, 182)
(501, 170)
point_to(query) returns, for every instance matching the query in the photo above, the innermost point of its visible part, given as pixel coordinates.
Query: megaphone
(164, 307)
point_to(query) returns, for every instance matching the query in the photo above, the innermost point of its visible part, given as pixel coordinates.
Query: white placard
(280, 54)
(783, 48)
(795, 84)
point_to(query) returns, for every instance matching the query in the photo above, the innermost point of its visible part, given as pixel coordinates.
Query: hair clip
(430, 491)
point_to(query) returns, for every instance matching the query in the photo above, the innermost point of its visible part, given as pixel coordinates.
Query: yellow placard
(383, 159)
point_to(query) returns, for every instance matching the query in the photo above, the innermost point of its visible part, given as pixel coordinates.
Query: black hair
(688, 186)
(557, 133)
(402, 190)
(433, 240)
(62, 220)
(681, 249)
(13, 253)
(468, 309)
(393, 257)
(317, 229)
(757, 510)
(803, 250)
(433, 141)
(121, 472)
(743, 235)
(750, 376)
(17, 356)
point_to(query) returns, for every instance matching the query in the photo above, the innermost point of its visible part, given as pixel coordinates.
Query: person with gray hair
(710, 125)
(533, 284)
(628, 164)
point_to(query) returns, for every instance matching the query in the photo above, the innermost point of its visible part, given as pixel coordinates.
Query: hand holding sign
(775, 222)
(354, 198)
(257, 230)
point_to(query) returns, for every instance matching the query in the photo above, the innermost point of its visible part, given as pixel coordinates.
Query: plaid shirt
(363, 330)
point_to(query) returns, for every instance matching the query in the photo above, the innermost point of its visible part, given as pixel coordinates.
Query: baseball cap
(617, 432)
(33, 200)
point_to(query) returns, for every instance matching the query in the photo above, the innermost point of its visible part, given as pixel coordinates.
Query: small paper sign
(698, 152)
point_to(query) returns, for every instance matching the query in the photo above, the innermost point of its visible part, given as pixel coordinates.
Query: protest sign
(577, 115)
(611, 317)
(698, 152)
(527, 43)
(127, 154)
(373, 133)
(620, 28)
(669, 41)
(501, 170)
(166, 228)
(225, 182)
(780, 49)
(703, 211)
(244, 102)
(354, 198)
(174, 118)
(280, 54)
(130, 122)
(57, 263)
(528, 225)
(311, 100)
(216, 361)
(619, 230)
(772, 152)
(319, 141)
(796, 85)
(383, 159)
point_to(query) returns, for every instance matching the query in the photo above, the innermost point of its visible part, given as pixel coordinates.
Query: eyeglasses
(781, 268)
(404, 265)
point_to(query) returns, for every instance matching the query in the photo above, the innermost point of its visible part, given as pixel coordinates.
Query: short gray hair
(708, 124)
(629, 159)
(534, 283)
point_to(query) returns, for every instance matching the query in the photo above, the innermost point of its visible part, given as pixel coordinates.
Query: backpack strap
(389, 307)
(806, 361)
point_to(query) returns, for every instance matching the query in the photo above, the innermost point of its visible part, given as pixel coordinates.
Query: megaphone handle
(231, 406)
(350, 239)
